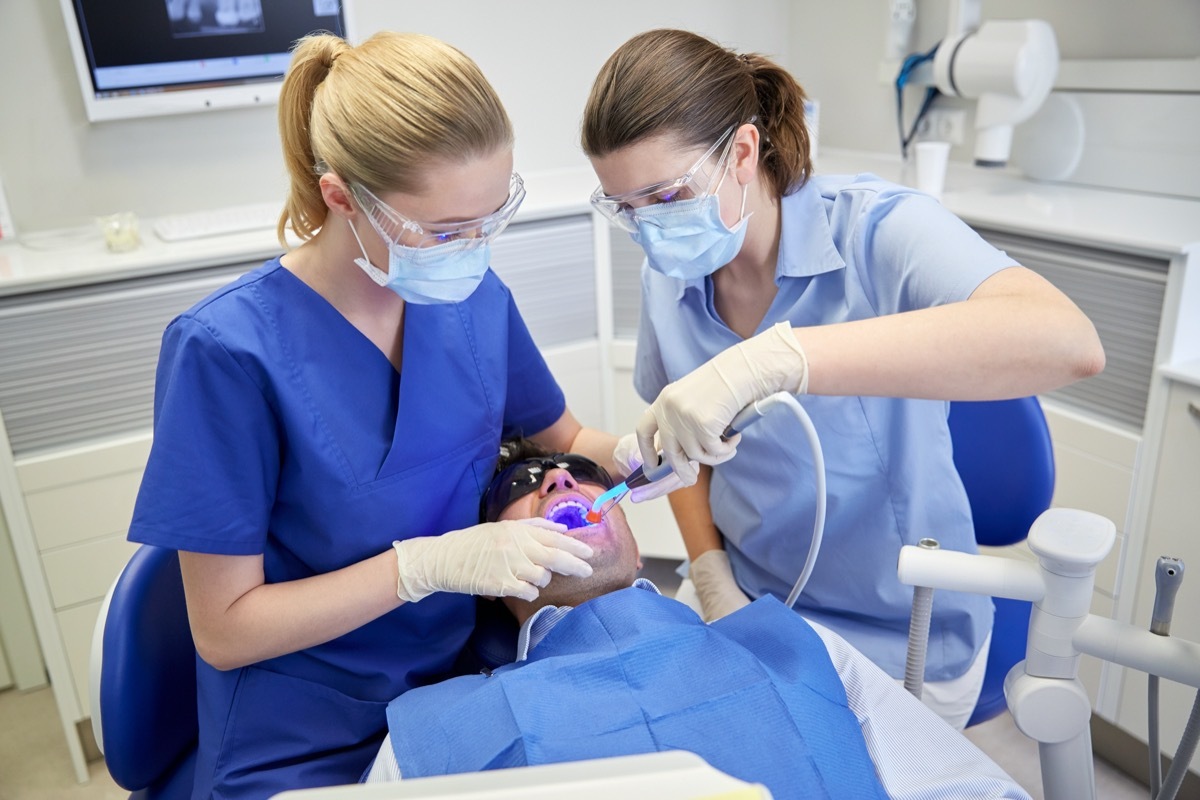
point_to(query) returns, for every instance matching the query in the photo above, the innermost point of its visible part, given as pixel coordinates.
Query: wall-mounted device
(150, 57)
(1009, 66)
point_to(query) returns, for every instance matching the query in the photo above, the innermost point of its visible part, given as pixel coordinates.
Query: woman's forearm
(1017, 335)
(694, 517)
(237, 619)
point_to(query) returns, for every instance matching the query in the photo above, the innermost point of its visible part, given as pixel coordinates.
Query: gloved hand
(715, 586)
(628, 457)
(690, 414)
(497, 559)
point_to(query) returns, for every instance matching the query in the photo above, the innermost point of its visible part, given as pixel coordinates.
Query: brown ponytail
(377, 114)
(785, 152)
(676, 83)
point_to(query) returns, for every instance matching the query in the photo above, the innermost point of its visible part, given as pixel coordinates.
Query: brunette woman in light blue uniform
(325, 425)
(868, 298)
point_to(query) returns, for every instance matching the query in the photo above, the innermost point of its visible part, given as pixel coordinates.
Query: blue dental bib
(754, 694)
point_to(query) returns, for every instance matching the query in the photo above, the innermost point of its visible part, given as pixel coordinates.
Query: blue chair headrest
(148, 671)
(1003, 454)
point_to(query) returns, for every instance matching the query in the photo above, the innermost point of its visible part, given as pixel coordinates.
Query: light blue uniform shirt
(851, 248)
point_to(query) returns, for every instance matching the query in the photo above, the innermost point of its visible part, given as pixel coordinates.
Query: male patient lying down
(607, 666)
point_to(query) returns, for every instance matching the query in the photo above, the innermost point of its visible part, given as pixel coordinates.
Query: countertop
(1153, 225)
(73, 257)
(1135, 223)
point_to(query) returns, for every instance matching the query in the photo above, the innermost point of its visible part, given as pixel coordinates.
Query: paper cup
(931, 167)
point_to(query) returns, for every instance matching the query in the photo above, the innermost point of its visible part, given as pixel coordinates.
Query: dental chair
(1003, 454)
(143, 679)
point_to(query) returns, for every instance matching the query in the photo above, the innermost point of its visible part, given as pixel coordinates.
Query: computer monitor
(142, 58)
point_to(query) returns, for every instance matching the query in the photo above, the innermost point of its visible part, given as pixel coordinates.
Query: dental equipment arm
(1046, 698)
(1009, 66)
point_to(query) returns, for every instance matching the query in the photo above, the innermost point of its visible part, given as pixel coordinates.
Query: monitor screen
(149, 57)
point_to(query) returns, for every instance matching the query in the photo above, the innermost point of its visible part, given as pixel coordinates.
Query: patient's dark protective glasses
(525, 477)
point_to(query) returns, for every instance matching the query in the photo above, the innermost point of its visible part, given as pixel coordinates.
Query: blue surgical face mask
(687, 239)
(443, 273)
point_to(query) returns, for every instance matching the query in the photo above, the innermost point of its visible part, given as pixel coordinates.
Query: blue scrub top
(281, 430)
(851, 248)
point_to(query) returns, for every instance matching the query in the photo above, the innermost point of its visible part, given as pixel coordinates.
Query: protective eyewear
(400, 230)
(525, 477)
(621, 209)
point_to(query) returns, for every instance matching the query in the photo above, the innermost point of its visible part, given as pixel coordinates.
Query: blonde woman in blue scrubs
(869, 298)
(326, 424)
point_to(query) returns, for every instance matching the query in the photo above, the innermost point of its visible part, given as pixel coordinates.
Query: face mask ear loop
(373, 272)
(745, 191)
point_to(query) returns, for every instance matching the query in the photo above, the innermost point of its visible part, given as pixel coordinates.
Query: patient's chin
(569, 590)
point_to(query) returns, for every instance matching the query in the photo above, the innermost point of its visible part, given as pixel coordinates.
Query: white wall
(836, 48)
(541, 55)
(59, 171)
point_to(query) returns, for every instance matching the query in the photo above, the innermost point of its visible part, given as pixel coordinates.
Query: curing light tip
(593, 517)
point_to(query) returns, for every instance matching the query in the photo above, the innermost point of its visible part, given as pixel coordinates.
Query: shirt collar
(546, 617)
(805, 240)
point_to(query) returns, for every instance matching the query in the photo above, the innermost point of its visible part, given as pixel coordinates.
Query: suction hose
(749, 415)
(918, 632)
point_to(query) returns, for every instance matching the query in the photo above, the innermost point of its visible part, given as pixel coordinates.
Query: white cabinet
(1173, 529)
(76, 394)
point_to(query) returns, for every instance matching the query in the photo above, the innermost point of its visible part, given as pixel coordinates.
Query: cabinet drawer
(76, 625)
(85, 571)
(83, 511)
(1093, 465)
(1176, 503)
(97, 459)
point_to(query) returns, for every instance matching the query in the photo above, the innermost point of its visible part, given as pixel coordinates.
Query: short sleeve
(210, 482)
(534, 400)
(916, 254)
(649, 372)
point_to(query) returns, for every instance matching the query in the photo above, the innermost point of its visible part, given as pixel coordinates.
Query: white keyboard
(218, 221)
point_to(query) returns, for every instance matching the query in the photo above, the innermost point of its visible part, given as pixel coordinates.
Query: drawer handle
(1194, 409)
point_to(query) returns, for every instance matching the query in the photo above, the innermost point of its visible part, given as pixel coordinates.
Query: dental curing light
(746, 417)
(643, 477)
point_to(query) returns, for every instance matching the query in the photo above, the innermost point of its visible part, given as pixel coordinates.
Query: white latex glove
(715, 586)
(496, 559)
(690, 414)
(628, 457)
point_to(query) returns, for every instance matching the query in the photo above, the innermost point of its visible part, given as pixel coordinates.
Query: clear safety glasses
(525, 477)
(399, 229)
(621, 209)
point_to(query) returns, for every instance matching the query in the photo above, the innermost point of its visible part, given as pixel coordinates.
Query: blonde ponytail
(377, 114)
(312, 60)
